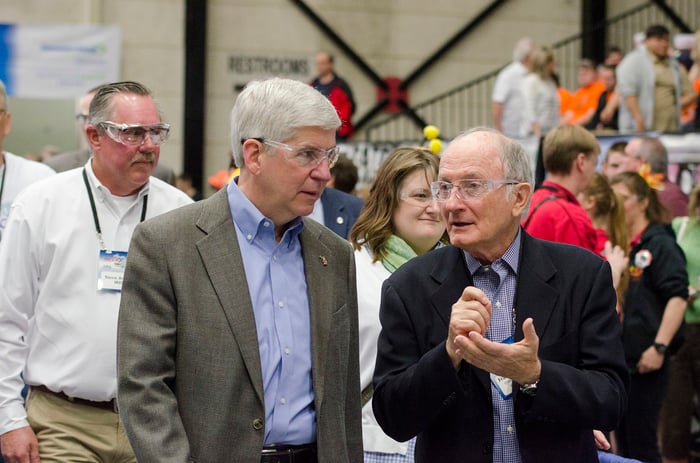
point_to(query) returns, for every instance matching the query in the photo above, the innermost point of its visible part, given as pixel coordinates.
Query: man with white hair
(507, 98)
(238, 335)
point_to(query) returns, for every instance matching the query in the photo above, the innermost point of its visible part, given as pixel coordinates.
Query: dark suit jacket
(72, 159)
(340, 210)
(583, 386)
(190, 381)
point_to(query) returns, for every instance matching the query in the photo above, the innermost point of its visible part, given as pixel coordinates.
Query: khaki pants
(69, 432)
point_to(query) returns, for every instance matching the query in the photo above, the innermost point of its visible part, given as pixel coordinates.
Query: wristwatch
(660, 348)
(530, 389)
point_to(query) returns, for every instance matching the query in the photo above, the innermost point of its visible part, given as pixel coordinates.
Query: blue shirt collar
(511, 257)
(252, 222)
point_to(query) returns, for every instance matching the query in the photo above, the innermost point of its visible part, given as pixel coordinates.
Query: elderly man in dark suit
(238, 336)
(500, 347)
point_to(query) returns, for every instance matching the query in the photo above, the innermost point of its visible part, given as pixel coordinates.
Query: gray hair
(654, 153)
(101, 107)
(275, 109)
(523, 48)
(514, 159)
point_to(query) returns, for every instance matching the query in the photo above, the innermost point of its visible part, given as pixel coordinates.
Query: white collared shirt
(21, 173)
(56, 328)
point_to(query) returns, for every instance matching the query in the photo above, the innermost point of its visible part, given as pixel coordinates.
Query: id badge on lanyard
(110, 264)
(504, 385)
(110, 270)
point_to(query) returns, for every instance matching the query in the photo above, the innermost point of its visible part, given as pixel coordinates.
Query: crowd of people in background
(460, 308)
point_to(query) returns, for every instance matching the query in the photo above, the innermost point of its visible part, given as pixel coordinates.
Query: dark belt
(109, 405)
(289, 454)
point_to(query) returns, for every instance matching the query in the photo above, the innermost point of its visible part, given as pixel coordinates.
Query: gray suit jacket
(190, 381)
(72, 159)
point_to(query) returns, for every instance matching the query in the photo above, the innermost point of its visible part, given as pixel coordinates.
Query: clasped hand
(466, 340)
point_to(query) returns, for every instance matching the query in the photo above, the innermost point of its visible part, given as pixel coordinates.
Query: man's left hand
(517, 361)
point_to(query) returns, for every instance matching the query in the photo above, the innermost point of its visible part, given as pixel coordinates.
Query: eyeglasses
(304, 156)
(467, 188)
(135, 134)
(421, 197)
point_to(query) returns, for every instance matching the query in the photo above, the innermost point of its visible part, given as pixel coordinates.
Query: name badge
(110, 273)
(503, 385)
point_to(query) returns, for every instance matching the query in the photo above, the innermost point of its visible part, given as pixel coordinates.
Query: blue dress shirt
(278, 292)
(498, 281)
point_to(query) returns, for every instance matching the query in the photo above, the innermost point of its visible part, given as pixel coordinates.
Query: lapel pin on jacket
(324, 261)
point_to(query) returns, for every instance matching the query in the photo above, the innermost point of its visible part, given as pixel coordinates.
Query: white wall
(393, 36)
(152, 45)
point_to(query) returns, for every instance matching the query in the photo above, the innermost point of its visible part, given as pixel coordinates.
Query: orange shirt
(688, 113)
(564, 100)
(585, 100)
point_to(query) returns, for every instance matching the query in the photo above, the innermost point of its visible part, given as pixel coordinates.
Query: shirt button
(280, 304)
(283, 401)
(286, 351)
(274, 257)
(266, 224)
(250, 237)
(498, 304)
(510, 429)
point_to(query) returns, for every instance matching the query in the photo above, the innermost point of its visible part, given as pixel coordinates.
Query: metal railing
(469, 105)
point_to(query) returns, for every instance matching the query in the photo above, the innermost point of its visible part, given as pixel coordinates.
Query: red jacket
(556, 215)
(343, 106)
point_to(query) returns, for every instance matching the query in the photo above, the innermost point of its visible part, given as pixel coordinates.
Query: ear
(521, 194)
(644, 203)
(580, 161)
(8, 124)
(93, 137)
(253, 152)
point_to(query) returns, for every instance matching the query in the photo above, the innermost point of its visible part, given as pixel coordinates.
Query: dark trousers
(683, 384)
(636, 436)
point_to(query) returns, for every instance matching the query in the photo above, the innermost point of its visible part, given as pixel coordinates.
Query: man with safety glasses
(66, 244)
(240, 343)
(72, 159)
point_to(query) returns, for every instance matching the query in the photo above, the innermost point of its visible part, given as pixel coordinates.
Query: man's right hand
(20, 446)
(471, 312)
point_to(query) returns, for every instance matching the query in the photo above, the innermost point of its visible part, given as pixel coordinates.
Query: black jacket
(568, 292)
(657, 273)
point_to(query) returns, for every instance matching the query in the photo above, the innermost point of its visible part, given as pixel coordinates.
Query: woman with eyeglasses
(652, 313)
(399, 220)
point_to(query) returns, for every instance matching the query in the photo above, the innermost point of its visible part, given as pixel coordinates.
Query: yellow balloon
(431, 132)
(435, 146)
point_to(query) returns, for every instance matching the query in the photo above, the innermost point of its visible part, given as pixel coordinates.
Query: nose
(321, 171)
(433, 205)
(454, 201)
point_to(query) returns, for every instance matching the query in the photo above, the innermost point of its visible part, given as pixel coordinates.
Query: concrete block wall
(392, 36)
